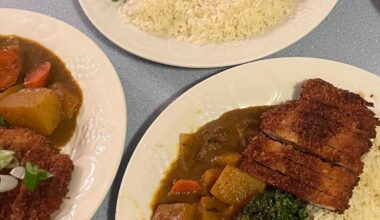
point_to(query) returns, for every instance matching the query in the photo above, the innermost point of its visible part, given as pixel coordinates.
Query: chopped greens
(6, 157)
(274, 205)
(34, 175)
(3, 122)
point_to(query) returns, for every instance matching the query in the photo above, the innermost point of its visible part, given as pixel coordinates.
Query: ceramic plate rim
(199, 64)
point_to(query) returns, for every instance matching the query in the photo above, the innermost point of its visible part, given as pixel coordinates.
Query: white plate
(260, 83)
(104, 15)
(98, 143)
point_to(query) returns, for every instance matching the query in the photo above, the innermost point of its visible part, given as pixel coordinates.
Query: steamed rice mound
(201, 21)
(365, 201)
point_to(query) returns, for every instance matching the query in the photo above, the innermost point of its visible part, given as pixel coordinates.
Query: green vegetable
(3, 122)
(6, 157)
(34, 175)
(274, 205)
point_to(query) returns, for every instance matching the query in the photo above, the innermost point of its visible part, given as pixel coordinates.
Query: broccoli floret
(274, 205)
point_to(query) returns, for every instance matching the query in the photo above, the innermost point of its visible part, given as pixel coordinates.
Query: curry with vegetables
(39, 104)
(37, 90)
(206, 152)
(204, 182)
(269, 163)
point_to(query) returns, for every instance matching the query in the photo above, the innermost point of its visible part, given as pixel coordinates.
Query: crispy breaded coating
(335, 173)
(309, 131)
(331, 123)
(324, 92)
(350, 106)
(312, 147)
(275, 156)
(29, 146)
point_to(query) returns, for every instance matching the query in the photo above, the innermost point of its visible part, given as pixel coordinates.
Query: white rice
(365, 202)
(201, 21)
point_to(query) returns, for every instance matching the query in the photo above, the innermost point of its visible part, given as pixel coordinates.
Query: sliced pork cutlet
(295, 187)
(26, 144)
(40, 204)
(266, 156)
(6, 199)
(354, 106)
(309, 132)
(325, 92)
(338, 175)
(361, 123)
(356, 141)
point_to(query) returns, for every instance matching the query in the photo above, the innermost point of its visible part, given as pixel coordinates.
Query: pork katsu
(289, 163)
(296, 122)
(29, 146)
(315, 142)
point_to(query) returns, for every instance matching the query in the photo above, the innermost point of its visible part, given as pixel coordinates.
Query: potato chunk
(212, 209)
(209, 177)
(235, 187)
(10, 90)
(38, 109)
(69, 100)
(178, 211)
(227, 159)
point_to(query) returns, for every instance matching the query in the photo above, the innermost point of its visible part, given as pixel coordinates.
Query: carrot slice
(38, 76)
(10, 66)
(186, 186)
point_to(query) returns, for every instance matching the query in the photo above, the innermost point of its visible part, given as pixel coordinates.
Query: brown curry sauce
(229, 133)
(32, 54)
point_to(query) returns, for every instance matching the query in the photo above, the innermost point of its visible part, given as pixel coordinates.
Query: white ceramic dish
(104, 15)
(260, 83)
(98, 143)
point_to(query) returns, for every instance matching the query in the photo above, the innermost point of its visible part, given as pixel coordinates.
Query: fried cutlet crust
(324, 92)
(273, 155)
(21, 204)
(312, 115)
(336, 173)
(352, 106)
(39, 205)
(294, 123)
(313, 146)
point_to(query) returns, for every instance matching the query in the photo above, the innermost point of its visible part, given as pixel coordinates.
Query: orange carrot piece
(186, 186)
(38, 76)
(10, 66)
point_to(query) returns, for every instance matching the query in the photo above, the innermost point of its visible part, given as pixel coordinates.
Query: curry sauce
(227, 134)
(60, 81)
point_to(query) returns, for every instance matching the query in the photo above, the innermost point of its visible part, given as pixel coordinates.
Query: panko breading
(318, 176)
(21, 204)
(298, 124)
(314, 145)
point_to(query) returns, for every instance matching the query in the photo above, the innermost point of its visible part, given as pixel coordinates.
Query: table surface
(350, 34)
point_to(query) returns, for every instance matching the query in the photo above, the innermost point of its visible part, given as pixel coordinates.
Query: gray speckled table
(351, 34)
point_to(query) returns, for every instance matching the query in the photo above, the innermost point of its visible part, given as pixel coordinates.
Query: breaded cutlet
(324, 92)
(309, 131)
(348, 107)
(20, 204)
(336, 174)
(272, 155)
(295, 187)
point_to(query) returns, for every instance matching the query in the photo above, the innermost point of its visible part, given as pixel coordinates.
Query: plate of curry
(62, 119)
(195, 161)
